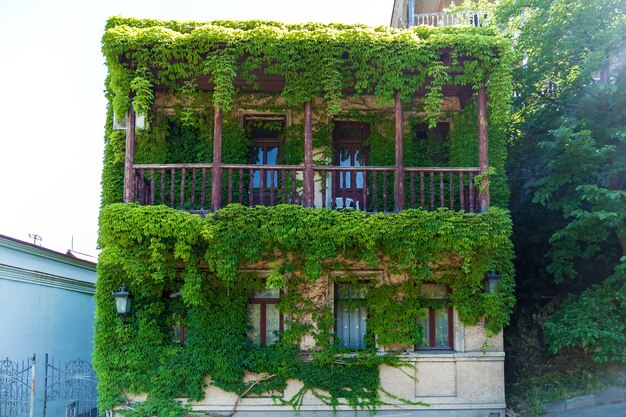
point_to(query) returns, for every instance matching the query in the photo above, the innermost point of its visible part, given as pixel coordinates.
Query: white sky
(52, 106)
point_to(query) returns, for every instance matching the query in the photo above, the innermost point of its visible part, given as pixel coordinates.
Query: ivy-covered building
(306, 217)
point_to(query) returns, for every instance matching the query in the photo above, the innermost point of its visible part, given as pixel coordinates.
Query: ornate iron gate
(75, 383)
(17, 387)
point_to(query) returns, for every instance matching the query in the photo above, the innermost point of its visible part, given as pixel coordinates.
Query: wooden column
(398, 186)
(483, 148)
(129, 159)
(216, 171)
(309, 180)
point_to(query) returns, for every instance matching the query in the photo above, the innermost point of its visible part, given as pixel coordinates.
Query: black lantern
(491, 281)
(122, 302)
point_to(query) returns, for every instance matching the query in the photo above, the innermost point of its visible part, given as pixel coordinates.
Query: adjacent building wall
(46, 306)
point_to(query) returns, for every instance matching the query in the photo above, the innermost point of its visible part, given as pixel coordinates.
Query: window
(265, 132)
(437, 323)
(351, 315)
(350, 151)
(264, 317)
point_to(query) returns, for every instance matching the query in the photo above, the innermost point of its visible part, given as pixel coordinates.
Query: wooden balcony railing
(370, 188)
(475, 18)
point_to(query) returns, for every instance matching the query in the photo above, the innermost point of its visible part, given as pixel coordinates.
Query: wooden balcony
(370, 188)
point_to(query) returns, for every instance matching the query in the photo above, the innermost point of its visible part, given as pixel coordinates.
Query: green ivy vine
(160, 252)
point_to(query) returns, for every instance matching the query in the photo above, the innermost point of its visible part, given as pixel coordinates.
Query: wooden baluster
(364, 197)
(230, 185)
(162, 185)
(193, 189)
(422, 189)
(412, 176)
(240, 185)
(251, 188)
(183, 179)
(293, 187)
(152, 186)
(375, 191)
(451, 181)
(432, 190)
(323, 175)
(172, 185)
(203, 190)
(283, 190)
(442, 199)
(263, 174)
(142, 186)
(461, 191)
(272, 172)
(385, 191)
(471, 192)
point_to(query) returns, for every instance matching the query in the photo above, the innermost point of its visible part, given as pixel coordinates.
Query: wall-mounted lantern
(491, 281)
(122, 302)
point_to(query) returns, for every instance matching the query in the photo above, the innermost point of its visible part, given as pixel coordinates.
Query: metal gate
(75, 383)
(17, 387)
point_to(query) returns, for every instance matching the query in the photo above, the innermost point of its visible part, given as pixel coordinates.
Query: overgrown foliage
(158, 251)
(182, 268)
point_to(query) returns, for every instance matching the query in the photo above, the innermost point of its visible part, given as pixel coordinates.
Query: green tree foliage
(568, 159)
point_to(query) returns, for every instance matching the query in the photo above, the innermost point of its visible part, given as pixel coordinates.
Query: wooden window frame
(263, 302)
(336, 307)
(432, 328)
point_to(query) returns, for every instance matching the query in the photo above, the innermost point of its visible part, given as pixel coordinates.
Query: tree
(568, 164)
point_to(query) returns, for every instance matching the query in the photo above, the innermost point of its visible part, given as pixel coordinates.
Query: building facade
(306, 216)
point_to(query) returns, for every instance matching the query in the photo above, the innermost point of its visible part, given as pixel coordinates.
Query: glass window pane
(257, 155)
(272, 155)
(441, 331)
(254, 320)
(425, 323)
(351, 316)
(272, 323)
(434, 291)
(267, 293)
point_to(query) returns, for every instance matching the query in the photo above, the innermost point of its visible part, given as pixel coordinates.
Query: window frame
(263, 302)
(432, 328)
(336, 305)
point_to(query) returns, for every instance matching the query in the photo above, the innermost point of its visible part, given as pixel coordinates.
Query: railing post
(129, 159)
(398, 187)
(308, 174)
(483, 149)
(216, 170)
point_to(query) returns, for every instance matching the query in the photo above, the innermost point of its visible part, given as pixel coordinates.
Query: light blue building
(46, 312)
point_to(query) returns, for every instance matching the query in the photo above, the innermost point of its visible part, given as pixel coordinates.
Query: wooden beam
(398, 186)
(483, 149)
(216, 170)
(309, 180)
(129, 159)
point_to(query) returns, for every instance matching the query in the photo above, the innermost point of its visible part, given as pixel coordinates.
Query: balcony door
(350, 151)
(265, 134)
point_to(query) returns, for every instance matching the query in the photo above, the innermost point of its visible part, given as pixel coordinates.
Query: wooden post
(216, 171)
(309, 180)
(129, 159)
(483, 149)
(398, 186)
